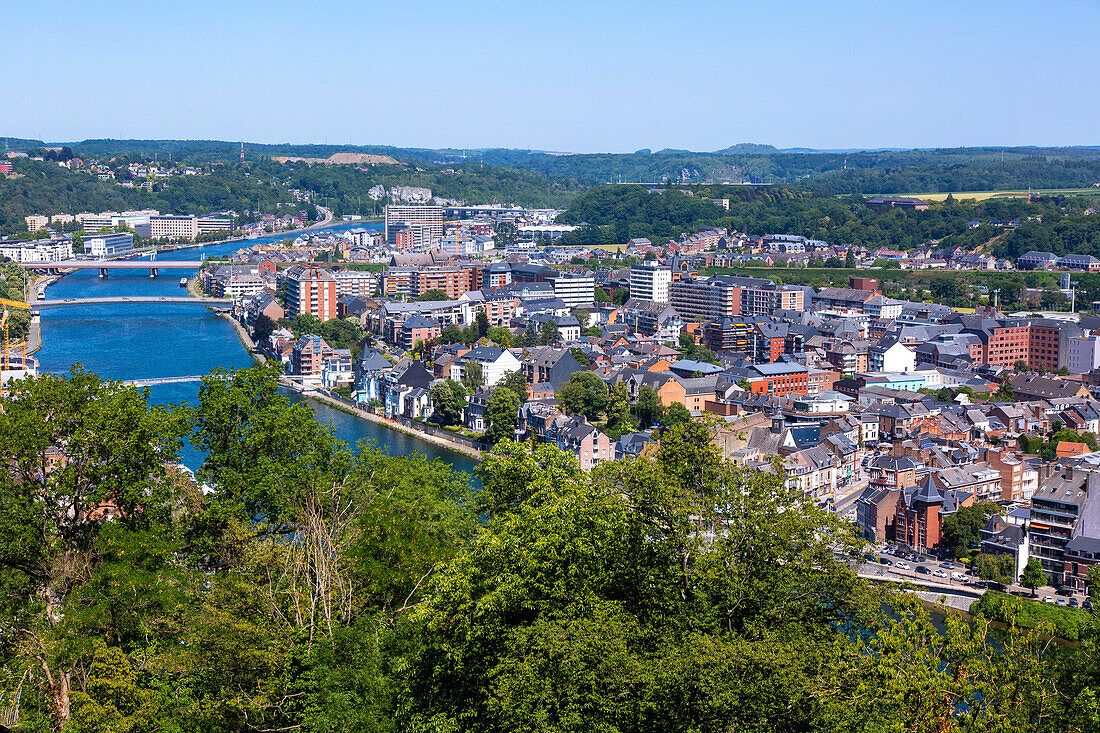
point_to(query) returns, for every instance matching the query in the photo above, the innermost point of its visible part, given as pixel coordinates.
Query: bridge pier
(103, 273)
(152, 272)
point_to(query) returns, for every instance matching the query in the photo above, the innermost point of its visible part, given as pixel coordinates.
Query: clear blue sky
(595, 75)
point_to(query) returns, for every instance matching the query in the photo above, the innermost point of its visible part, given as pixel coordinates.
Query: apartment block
(650, 282)
(310, 290)
(425, 223)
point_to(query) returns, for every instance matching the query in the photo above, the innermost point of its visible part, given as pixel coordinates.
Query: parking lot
(901, 563)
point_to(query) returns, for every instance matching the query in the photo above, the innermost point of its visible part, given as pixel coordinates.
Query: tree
(584, 394)
(648, 408)
(1033, 575)
(472, 375)
(687, 340)
(1094, 584)
(305, 323)
(601, 295)
(451, 334)
(620, 418)
(449, 399)
(262, 328)
(431, 295)
(501, 415)
(659, 601)
(75, 450)
(850, 259)
(342, 333)
(583, 317)
(516, 382)
(550, 333)
(960, 530)
(675, 415)
(482, 324)
(502, 337)
(580, 356)
(996, 568)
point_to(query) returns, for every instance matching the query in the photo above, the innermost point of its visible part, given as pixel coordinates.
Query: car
(1087, 605)
(1061, 601)
(869, 557)
(959, 577)
(1048, 599)
(947, 565)
(902, 565)
(923, 570)
(939, 573)
(885, 562)
(1073, 603)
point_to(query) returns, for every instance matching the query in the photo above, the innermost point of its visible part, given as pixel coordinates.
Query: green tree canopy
(584, 394)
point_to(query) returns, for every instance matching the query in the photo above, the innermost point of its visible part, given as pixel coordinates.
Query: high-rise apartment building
(425, 223)
(650, 281)
(310, 290)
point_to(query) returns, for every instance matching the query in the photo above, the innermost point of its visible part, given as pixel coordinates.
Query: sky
(586, 76)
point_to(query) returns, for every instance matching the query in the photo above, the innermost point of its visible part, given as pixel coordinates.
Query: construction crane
(6, 345)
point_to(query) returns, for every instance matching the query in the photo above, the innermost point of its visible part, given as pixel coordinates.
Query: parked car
(1061, 601)
(959, 577)
(1048, 599)
(885, 562)
(1087, 605)
(903, 565)
(939, 573)
(1073, 603)
(923, 570)
(947, 565)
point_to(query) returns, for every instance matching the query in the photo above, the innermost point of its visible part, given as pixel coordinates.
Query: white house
(889, 355)
(495, 363)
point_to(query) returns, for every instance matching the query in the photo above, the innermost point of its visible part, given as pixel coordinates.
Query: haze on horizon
(612, 76)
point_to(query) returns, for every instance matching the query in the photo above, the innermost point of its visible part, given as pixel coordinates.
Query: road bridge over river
(105, 266)
(178, 300)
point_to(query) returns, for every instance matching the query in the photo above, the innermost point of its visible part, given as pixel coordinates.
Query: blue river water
(147, 340)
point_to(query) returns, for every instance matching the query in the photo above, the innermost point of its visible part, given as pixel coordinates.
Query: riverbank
(436, 440)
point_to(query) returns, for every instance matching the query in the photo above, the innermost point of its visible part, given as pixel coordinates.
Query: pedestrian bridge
(182, 300)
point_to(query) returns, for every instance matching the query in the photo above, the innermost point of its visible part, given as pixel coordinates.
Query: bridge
(105, 266)
(163, 380)
(211, 302)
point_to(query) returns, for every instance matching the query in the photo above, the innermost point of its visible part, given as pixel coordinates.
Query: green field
(986, 195)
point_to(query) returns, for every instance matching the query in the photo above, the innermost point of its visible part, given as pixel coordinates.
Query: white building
(650, 282)
(1083, 354)
(168, 226)
(355, 282)
(495, 363)
(43, 250)
(575, 290)
(891, 357)
(108, 245)
(207, 224)
(426, 220)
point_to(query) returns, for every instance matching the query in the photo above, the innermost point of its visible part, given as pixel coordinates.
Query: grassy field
(986, 195)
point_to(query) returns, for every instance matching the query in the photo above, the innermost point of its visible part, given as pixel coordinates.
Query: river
(147, 340)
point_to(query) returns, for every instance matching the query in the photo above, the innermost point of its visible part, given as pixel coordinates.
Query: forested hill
(379, 593)
(876, 171)
(615, 214)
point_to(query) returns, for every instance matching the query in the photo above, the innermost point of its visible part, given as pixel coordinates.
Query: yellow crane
(6, 346)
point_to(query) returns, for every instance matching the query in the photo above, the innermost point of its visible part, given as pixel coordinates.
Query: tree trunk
(59, 695)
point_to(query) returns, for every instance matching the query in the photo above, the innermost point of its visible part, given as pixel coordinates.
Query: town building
(425, 223)
(108, 245)
(650, 281)
(310, 289)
